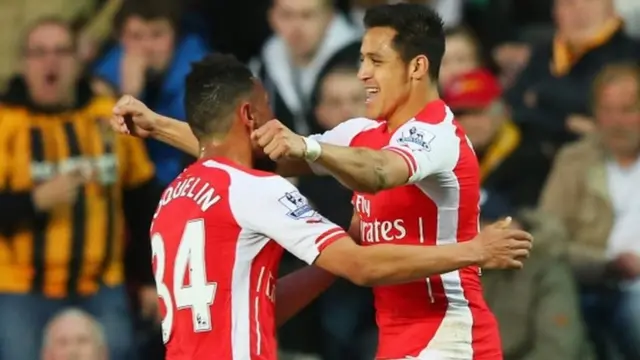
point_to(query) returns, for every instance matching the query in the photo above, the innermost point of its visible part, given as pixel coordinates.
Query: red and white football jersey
(217, 238)
(443, 317)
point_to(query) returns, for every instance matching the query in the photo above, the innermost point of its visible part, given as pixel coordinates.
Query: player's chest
(396, 215)
(373, 139)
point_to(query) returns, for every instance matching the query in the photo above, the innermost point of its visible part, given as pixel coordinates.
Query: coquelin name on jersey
(201, 192)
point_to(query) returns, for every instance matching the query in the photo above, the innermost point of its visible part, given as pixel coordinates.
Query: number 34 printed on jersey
(198, 295)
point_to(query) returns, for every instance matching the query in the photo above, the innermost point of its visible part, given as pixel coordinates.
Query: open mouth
(371, 94)
(51, 79)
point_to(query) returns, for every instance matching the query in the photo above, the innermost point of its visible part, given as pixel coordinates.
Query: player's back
(216, 279)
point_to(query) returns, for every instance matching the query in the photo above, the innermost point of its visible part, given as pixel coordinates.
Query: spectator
(74, 335)
(514, 160)
(555, 98)
(309, 36)
(92, 21)
(151, 63)
(66, 182)
(462, 54)
(537, 307)
(593, 190)
(346, 311)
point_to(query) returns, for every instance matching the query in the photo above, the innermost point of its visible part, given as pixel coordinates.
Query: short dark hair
(420, 31)
(214, 87)
(149, 10)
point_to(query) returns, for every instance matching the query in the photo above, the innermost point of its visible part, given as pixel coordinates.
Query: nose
(364, 72)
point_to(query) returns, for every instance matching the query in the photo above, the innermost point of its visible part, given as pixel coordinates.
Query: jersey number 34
(198, 295)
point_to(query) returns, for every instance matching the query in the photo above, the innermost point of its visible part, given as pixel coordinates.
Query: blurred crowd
(548, 92)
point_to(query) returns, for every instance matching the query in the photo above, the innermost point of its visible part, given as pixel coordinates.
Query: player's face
(617, 112)
(384, 74)
(73, 339)
(50, 65)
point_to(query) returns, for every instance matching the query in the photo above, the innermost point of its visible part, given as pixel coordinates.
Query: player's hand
(132, 116)
(278, 142)
(62, 189)
(502, 247)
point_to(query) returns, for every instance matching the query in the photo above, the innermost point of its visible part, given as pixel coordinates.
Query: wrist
(312, 149)
(158, 124)
(475, 251)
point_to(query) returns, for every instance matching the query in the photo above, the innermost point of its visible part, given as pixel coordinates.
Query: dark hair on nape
(420, 31)
(214, 87)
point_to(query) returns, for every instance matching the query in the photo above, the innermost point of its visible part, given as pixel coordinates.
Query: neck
(66, 99)
(232, 150)
(302, 60)
(417, 100)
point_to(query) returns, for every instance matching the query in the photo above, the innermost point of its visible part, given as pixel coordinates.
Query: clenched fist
(278, 142)
(501, 247)
(132, 116)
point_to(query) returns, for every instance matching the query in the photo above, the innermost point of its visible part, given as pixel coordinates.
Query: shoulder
(576, 153)
(344, 133)
(252, 192)
(358, 124)
(12, 118)
(435, 120)
(251, 182)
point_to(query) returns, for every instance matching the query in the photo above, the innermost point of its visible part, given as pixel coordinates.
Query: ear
(245, 113)
(419, 67)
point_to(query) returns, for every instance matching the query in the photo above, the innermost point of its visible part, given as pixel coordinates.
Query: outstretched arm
(298, 289)
(132, 116)
(415, 151)
(291, 221)
(363, 169)
(177, 134)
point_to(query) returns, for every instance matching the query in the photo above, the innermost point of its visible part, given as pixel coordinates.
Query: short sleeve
(138, 169)
(273, 207)
(341, 135)
(426, 148)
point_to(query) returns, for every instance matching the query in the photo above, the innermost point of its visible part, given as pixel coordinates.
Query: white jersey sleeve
(426, 148)
(273, 207)
(341, 135)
